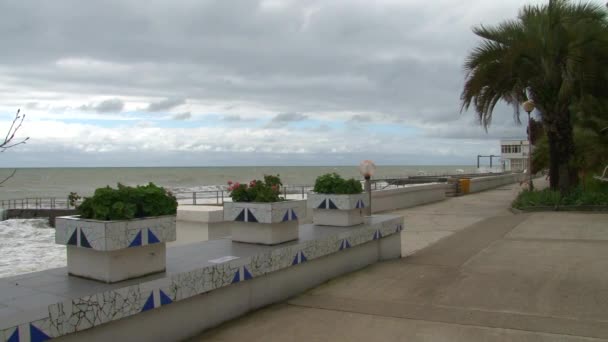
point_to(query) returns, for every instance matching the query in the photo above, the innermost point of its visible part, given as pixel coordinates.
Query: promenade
(476, 272)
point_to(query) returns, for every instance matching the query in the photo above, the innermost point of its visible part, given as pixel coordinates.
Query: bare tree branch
(8, 139)
(10, 135)
(9, 177)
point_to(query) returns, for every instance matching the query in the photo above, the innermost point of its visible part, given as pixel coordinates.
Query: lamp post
(529, 107)
(367, 169)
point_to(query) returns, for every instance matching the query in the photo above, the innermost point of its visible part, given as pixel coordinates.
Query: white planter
(337, 210)
(264, 223)
(112, 251)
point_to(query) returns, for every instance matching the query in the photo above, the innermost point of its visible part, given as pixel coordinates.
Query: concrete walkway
(491, 276)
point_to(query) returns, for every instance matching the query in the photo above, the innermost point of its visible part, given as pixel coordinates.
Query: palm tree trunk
(553, 160)
(563, 174)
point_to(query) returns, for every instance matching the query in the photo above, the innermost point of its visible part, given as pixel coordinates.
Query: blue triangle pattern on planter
(293, 215)
(241, 216)
(14, 336)
(250, 217)
(83, 240)
(37, 335)
(149, 303)
(286, 216)
(164, 299)
(331, 204)
(303, 257)
(152, 238)
(74, 238)
(323, 205)
(136, 241)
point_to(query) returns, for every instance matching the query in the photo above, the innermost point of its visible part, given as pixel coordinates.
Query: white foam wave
(28, 246)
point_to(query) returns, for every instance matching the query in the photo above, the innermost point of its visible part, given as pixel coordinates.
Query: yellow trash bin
(465, 185)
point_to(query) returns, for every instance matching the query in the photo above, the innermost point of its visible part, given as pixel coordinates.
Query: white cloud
(392, 62)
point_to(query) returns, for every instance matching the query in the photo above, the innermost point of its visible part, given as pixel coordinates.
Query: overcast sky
(269, 82)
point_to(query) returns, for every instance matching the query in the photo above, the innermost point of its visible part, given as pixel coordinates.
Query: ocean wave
(28, 246)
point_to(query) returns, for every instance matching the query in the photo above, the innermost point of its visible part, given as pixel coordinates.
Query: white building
(514, 154)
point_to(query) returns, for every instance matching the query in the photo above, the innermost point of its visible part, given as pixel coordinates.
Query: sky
(260, 82)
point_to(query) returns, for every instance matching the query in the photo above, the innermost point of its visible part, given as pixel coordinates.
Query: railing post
(222, 197)
(194, 198)
(302, 192)
(67, 203)
(217, 197)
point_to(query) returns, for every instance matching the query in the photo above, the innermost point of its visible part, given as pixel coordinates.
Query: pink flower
(229, 182)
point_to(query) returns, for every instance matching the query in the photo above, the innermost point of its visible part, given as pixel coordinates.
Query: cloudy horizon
(265, 82)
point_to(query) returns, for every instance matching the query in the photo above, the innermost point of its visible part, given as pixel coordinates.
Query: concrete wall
(492, 182)
(39, 213)
(384, 200)
(189, 317)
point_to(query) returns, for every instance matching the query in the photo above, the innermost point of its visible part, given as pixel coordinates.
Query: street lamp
(367, 169)
(529, 107)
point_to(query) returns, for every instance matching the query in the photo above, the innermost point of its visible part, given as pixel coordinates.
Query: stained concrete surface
(496, 277)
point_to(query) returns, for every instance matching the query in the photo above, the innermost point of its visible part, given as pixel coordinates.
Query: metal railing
(217, 197)
(36, 203)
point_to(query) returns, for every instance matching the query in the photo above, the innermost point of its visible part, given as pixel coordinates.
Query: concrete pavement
(485, 275)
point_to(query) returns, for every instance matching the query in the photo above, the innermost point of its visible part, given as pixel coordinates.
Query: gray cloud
(165, 105)
(283, 119)
(289, 117)
(182, 116)
(399, 61)
(359, 118)
(106, 106)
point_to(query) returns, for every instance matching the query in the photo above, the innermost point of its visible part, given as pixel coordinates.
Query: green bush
(333, 183)
(127, 202)
(590, 192)
(265, 191)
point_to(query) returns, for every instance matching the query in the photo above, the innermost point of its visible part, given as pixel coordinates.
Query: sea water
(29, 245)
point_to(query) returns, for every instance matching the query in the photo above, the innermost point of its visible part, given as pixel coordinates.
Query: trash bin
(465, 185)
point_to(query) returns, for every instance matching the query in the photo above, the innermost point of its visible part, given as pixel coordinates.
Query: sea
(29, 245)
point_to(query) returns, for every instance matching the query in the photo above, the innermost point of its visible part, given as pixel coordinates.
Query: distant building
(514, 154)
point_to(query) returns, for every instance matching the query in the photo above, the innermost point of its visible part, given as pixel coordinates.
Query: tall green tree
(555, 54)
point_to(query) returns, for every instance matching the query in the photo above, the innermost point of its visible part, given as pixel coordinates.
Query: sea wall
(492, 182)
(205, 284)
(384, 200)
(38, 213)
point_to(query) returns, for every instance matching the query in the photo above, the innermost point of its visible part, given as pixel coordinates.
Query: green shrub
(127, 202)
(333, 183)
(265, 191)
(590, 192)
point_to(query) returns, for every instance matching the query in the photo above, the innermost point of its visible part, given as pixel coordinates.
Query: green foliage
(73, 198)
(590, 192)
(553, 53)
(333, 183)
(265, 191)
(127, 202)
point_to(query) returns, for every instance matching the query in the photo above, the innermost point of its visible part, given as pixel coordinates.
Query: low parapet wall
(204, 285)
(401, 198)
(38, 213)
(492, 182)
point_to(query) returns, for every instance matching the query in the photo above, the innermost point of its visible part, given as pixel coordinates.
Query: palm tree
(554, 54)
